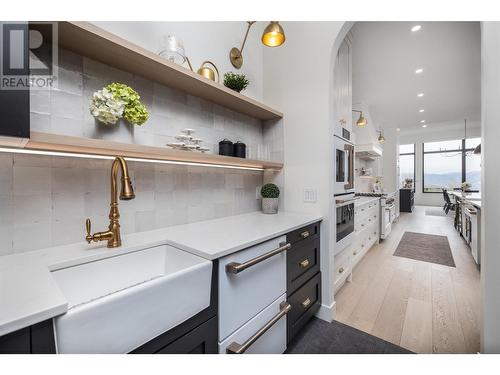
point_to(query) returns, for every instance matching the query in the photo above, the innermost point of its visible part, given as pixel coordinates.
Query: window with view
(407, 164)
(447, 164)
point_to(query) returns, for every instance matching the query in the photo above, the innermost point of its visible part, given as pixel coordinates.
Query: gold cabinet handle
(341, 269)
(305, 234)
(234, 267)
(235, 348)
(304, 263)
(306, 303)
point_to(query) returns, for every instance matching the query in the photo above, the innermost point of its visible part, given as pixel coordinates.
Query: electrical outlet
(310, 195)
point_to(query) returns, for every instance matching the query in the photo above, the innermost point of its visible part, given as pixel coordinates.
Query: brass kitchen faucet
(112, 235)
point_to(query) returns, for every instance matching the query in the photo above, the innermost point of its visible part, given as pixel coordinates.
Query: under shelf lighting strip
(95, 156)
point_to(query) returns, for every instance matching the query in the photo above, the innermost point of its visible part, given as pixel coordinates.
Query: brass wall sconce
(361, 120)
(273, 36)
(381, 138)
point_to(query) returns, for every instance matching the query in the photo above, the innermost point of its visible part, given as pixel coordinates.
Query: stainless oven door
(344, 167)
(345, 221)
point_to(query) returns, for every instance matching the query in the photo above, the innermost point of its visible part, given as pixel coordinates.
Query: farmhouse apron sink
(120, 303)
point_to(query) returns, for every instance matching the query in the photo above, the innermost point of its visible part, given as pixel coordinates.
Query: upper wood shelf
(91, 41)
(66, 144)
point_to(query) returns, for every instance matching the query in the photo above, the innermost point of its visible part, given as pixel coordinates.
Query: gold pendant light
(273, 35)
(361, 120)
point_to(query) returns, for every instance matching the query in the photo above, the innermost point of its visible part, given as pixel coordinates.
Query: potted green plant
(235, 82)
(270, 194)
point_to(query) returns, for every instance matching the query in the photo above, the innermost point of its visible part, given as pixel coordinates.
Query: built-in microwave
(344, 166)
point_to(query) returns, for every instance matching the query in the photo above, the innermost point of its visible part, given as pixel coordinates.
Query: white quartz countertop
(29, 294)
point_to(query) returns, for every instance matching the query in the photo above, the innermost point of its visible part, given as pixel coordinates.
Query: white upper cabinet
(343, 88)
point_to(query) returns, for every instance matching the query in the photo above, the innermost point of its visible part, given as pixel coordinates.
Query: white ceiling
(386, 55)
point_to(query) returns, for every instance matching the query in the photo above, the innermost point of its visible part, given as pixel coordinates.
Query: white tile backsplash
(45, 200)
(30, 180)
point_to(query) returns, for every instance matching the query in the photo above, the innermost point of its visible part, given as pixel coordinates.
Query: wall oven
(345, 222)
(344, 166)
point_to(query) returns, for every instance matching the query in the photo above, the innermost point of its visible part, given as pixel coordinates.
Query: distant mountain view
(435, 182)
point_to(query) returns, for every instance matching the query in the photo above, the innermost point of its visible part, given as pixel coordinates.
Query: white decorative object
(106, 108)
(187, 142)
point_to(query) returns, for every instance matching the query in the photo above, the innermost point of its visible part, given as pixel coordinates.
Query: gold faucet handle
(88, 237)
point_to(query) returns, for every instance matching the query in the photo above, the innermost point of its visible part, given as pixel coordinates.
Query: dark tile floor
(320, 337)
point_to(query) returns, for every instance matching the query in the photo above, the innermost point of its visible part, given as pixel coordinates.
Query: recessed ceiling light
(424, 126)
(422, 121)
(398, 129)
(421, 110)
(416, 28)
(419, 70)
(420, 95)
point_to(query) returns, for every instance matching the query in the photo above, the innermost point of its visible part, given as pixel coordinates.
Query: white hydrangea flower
(106, 108)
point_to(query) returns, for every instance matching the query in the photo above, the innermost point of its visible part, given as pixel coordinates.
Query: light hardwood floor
(424, 307)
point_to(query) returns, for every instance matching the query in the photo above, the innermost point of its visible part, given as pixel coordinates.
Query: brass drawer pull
(306, 303)
(304, 263)
(341, 269)
(305, 234)
(235, 267)
(235, 348)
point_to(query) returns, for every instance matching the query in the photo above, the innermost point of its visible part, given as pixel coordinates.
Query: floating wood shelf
(93, 42)
(76, 145)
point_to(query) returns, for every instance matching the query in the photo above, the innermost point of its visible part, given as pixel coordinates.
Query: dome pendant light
(361, 120)
(273, 35)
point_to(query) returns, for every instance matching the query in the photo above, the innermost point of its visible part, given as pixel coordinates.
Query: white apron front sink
(119, 303)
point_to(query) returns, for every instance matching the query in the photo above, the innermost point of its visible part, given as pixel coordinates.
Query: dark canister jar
(226, 147)
(240, 150)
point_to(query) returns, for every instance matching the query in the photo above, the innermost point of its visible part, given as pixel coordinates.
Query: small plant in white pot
(270, 194)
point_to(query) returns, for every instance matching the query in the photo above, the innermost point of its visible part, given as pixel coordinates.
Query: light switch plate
(310, 195)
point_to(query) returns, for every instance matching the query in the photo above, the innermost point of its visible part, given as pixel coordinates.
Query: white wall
(202, 41)
(490, 254)
(434, 133)
(299, 81)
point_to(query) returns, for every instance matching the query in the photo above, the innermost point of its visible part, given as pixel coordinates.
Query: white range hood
(368, 151)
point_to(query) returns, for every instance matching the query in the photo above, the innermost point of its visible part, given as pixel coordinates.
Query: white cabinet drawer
(342, 268)
(243, 295)
(273, 341)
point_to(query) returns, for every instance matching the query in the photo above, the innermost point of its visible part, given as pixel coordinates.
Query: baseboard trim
(327, 313)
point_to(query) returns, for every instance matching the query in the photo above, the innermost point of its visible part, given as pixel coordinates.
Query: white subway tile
(30, 209)
(31, 180)
(33, 236)
(66, 206)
